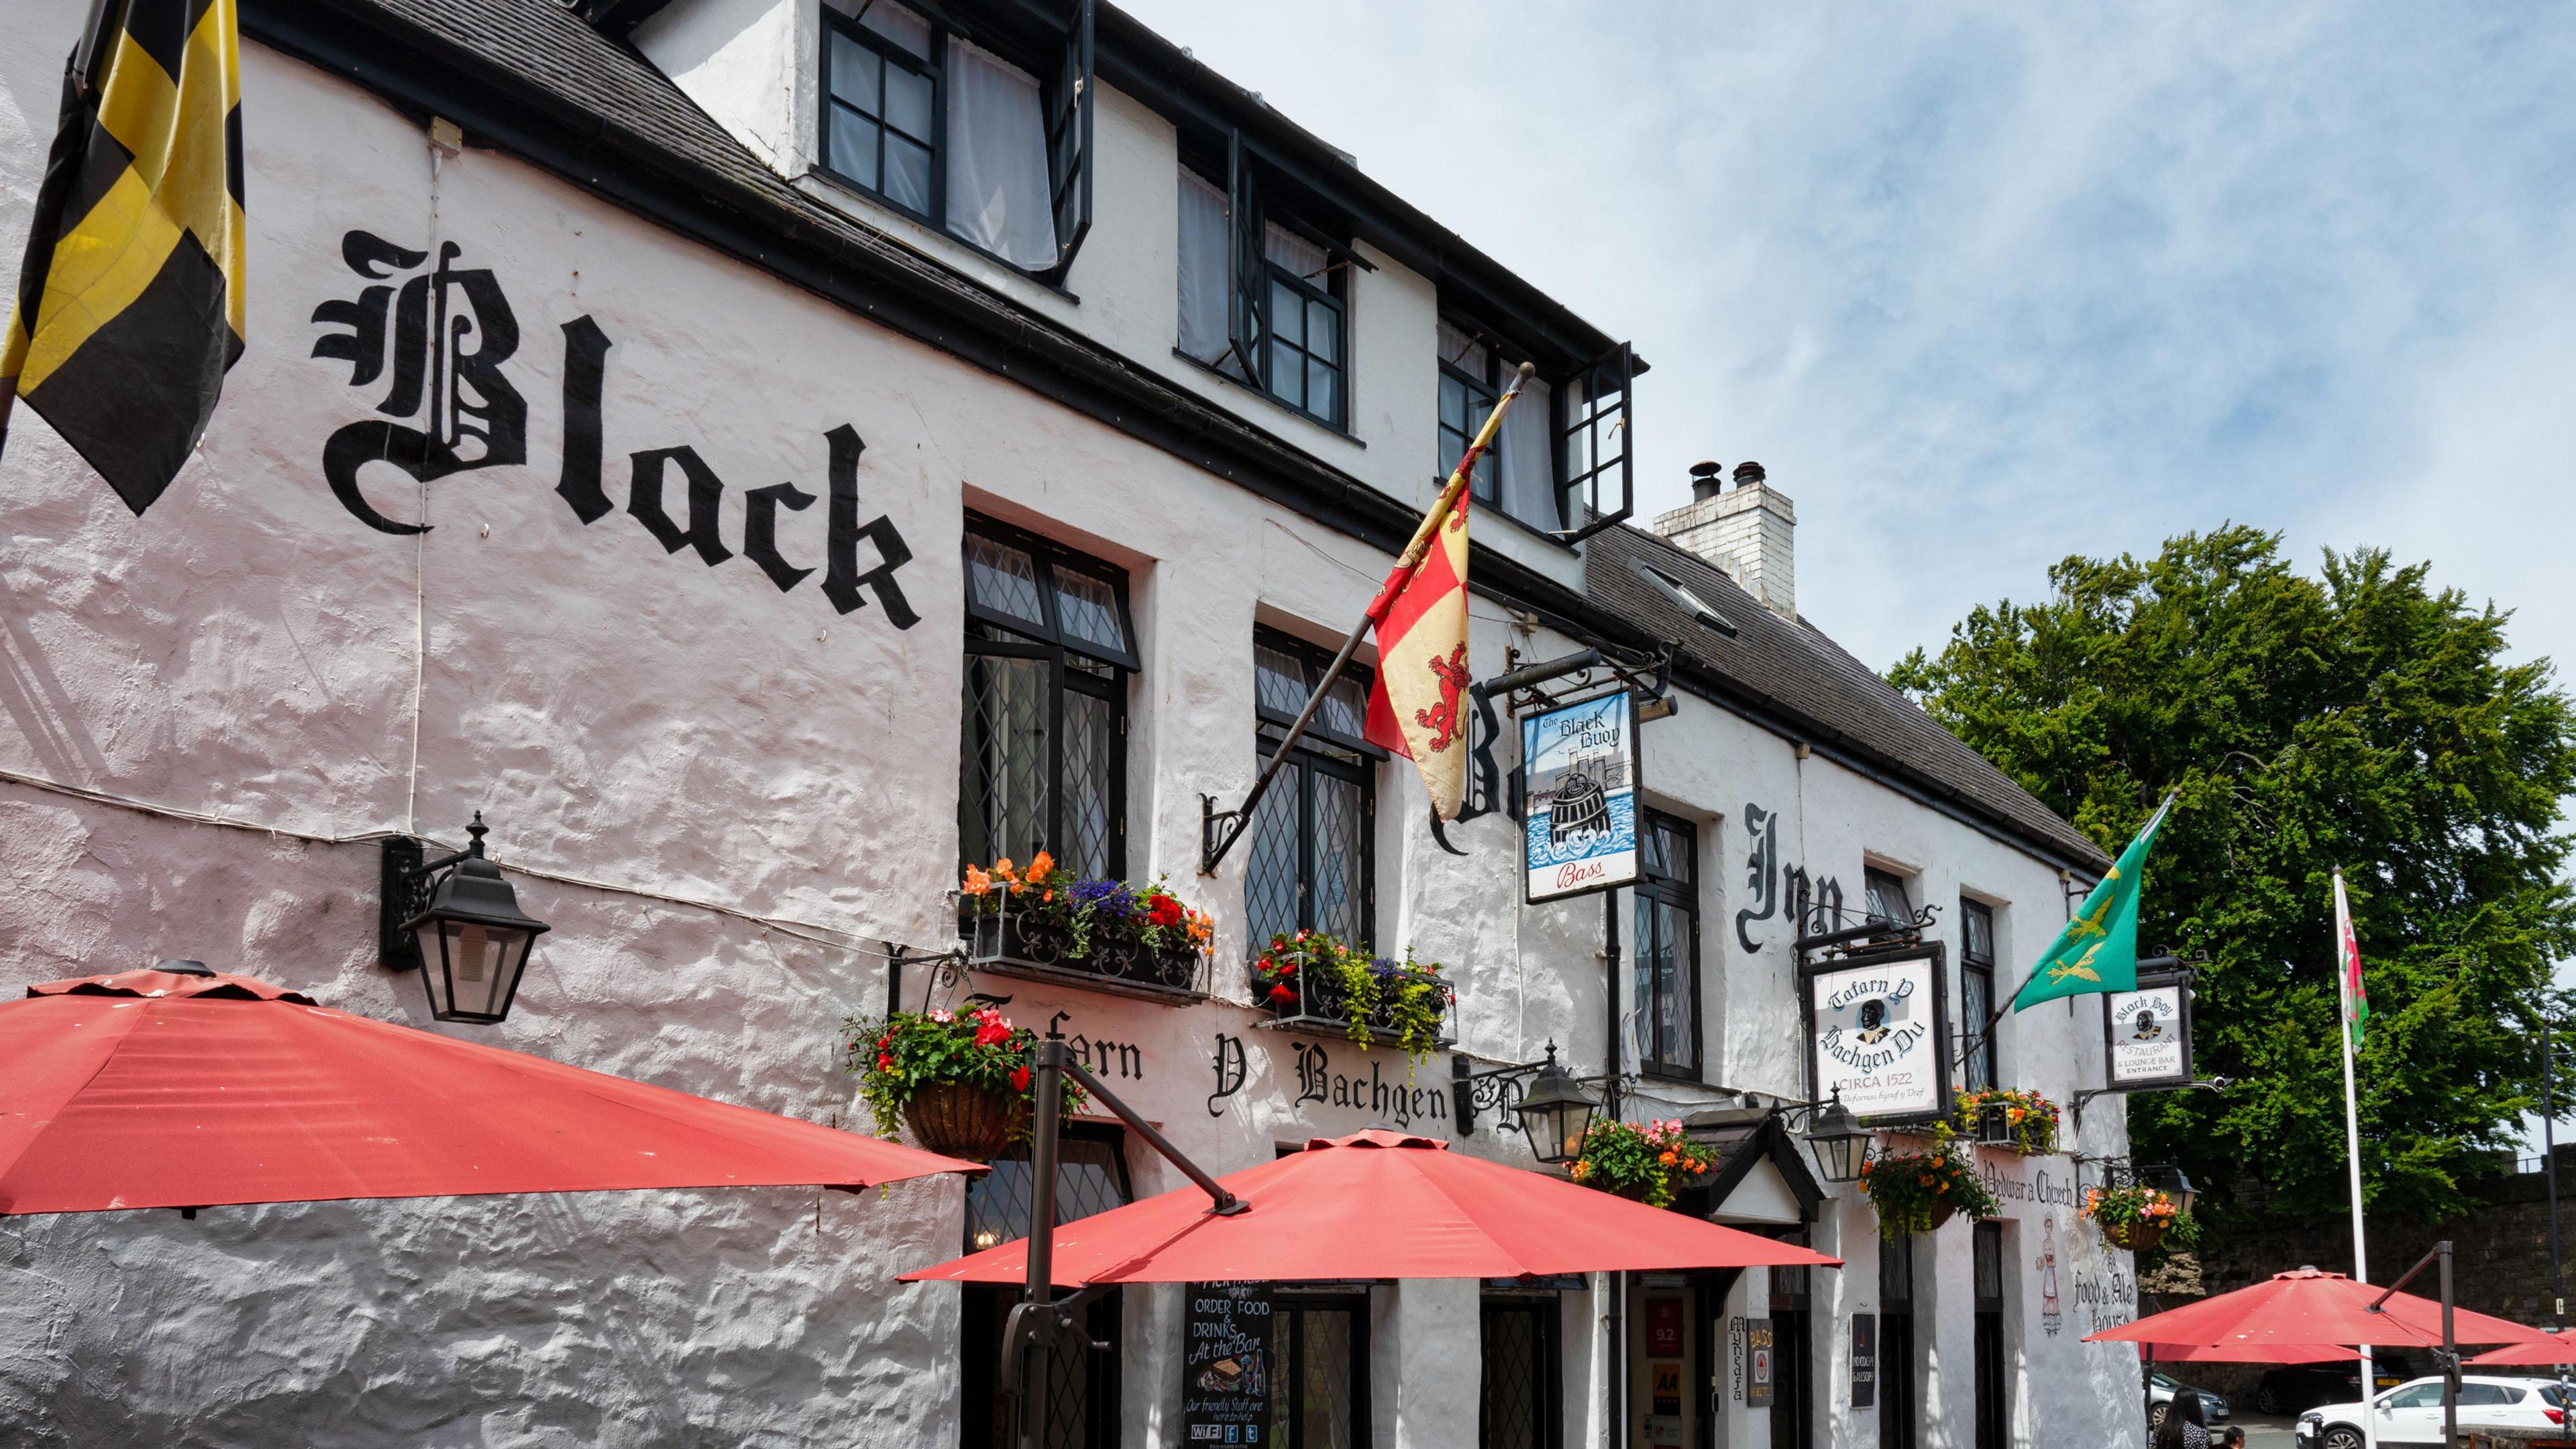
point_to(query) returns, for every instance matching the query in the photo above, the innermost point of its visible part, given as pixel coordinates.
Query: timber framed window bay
(987, 137)
(1049, 650)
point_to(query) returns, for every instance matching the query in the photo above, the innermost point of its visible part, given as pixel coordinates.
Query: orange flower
(977, 882)
(1582, 1170)
(1039, 867)
(1669, 1158)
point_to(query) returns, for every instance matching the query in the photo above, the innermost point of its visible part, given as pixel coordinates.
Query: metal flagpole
(2352, 1143)
(1215, 839)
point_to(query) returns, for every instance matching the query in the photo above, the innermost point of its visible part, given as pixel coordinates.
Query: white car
(2411, 1413)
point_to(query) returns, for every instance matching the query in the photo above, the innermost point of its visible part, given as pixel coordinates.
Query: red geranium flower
(1020, 1078)
(885, 1063)
(1281, 992)
(1165, 911)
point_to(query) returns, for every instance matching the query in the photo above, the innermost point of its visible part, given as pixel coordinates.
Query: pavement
(2267, 1431)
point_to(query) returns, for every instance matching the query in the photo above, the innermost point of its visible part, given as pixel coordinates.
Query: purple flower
(1109, 898)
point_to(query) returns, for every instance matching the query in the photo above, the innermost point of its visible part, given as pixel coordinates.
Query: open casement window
(1598, 445)
(1313, 859)
(1888, 903)
(1976, 993)
(1049, 648)
(958, 130)
(1518, 475)
(1666, 948)
(1287, 308)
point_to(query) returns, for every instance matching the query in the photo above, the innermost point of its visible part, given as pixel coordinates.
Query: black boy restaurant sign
(2146, 1033)
(439, 337)
(1878, 1034)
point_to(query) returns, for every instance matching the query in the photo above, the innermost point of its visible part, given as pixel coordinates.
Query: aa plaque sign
(1878, 1034)
(1579, 824)
(2146, 1033)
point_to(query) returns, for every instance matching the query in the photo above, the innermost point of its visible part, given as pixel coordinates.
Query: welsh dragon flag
(2348, 989)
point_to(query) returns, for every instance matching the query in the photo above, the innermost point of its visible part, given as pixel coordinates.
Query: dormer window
(1265, 295)
(962, 136)
(1560, 446)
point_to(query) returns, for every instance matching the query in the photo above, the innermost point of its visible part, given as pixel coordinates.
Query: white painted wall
(681, 736)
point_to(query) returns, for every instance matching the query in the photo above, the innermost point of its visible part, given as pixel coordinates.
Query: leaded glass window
(1081, 1402)
(1977, 993)
(1313, 859)
(1519, 1404)
(1888, 903)
(1319, 1350)
(1665, 948)
(1049, 648)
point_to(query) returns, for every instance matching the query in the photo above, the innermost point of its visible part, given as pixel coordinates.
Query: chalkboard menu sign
(1225, 1370)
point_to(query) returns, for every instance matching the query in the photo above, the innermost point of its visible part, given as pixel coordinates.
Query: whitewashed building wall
(726, 797)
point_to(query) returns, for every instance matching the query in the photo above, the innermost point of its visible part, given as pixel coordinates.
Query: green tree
(2357, 719)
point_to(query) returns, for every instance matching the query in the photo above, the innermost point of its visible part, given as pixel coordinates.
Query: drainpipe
(1617, 1283)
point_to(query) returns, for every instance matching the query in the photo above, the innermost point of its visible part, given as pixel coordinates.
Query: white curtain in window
(1294, 252)
(997, 162)
(1205, 241)
(1528, 459)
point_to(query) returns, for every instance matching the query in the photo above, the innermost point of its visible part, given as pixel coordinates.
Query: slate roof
(614, 104)
(1819, 691)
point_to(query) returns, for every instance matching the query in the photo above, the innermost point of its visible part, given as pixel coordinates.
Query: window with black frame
(1993, 1372)
(1977, 993)
(1302, 317)
(1517, 476)
(962, 132)
(1889, 904)
(1666, 945)
(1049, 649)
(1899, 1400)
(1082, 1401)
(1519, 1393)
(1313, 840)
(1320, 1351)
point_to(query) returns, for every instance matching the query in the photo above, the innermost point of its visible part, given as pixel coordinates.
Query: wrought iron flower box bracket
(1322, 1007)
(1012, 943)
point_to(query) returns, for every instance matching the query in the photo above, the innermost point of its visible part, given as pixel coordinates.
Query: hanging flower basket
(1916, 1192)
(2138, 1237)
(1648, 1162)
(975, 1123)
(962, 1083)
(2023, 1122)
(2139, 1218)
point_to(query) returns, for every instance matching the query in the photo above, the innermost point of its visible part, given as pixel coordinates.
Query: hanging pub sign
(2146, 1033)
(1878, 1030)
(1225, 1368)
(1579, 818)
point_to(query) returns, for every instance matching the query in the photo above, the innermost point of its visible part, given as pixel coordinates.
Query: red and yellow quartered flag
(1417, 705)
(130, 303)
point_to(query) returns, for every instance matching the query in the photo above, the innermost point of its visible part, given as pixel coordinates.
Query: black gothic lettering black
(760, 531)
(843, 582)
(706, 493)
(585, 377)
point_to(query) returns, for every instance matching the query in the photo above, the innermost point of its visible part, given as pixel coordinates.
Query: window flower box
(2023, 1122)
(1316, 982)
(1101, 934)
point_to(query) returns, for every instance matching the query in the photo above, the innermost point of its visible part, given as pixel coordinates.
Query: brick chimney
(1745, 530)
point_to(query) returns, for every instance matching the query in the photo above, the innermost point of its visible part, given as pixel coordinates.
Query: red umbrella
(155, 1089)
(2306, 1308)
(2246, 1353)
(2554, 1348)
(1378, 1204)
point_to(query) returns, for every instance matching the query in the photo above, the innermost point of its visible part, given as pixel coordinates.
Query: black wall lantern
(1841, 1143)
(1556, 1113)
(459, 923)
(2171, 1182)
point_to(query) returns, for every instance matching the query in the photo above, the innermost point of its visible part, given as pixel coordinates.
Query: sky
(1983, 286)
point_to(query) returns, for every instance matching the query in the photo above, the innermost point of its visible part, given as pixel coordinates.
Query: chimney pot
(1747, 531)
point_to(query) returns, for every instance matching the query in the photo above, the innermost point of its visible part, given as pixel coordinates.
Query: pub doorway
(1793, 1397)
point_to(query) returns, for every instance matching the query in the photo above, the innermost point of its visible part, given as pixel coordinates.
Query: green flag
(2098, 950)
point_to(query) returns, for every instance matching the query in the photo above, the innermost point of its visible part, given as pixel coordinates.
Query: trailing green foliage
(2359, 719)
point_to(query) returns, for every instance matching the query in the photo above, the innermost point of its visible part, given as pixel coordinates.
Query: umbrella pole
(2441, 1255)
(1039, 1295)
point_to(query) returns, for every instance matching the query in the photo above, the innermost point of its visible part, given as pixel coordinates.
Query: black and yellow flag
(130, 303)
